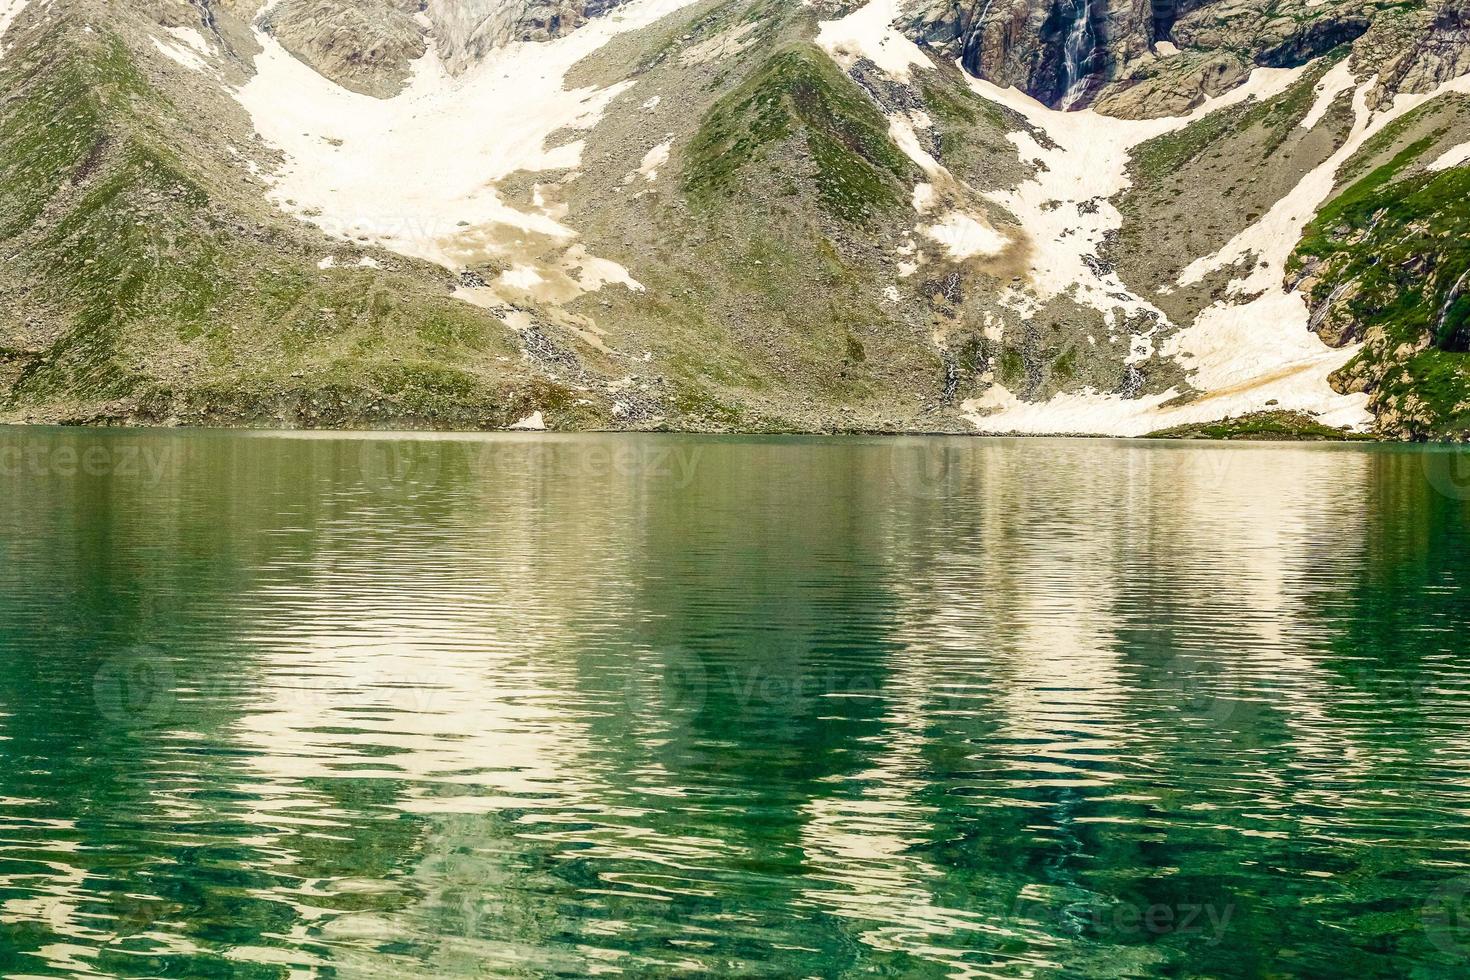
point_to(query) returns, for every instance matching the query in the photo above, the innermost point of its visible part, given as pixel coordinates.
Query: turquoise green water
(537, 706)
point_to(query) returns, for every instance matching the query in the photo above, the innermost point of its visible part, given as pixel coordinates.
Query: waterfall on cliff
(974, 54)
(1077, 53)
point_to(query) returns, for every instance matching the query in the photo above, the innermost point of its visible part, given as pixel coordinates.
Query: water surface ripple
(569, 705)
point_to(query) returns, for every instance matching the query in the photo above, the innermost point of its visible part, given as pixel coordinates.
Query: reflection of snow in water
(1027, 636)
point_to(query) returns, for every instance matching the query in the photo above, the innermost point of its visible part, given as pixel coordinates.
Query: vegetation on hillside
(1390, 256)
(1261, 427)
(155, 300)
(799, 93)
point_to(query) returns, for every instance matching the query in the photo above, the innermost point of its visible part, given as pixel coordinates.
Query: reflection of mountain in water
(931, 706)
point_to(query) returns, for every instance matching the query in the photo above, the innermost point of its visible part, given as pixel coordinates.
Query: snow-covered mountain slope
(738, 214)
(419, 173)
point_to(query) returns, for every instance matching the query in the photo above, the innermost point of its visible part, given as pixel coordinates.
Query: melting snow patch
(1230, 341)
(192, 38)
(366, 262)
(1240, 356)
(1333, 84)
(522, 277)
(655, 159)
(903, 130)
(9, 10)
(1245, 354)
(720, 47)
(535, 422)
(1295, 388)
(1066, 208)
(869, 33)
(188, 48)
(1271, 240)
(593, 273)
(417, 174)
(965, 237)
(1453, 158)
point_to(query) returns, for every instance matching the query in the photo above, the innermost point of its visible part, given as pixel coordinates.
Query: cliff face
(367, 46)
(363, 45)
(469, 29)
(1044, 49)
(1415, 50)
(1135, 58)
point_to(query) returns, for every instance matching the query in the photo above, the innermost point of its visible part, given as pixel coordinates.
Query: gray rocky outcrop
(1158, 57)
(363, 45)
(467, 30)
(1416, 51)
(368, 46)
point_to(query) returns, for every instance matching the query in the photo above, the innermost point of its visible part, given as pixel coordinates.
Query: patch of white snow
(1452, 158)
(188, 48)
(9, 10)
(1333, 84)
(535, 422)
(417, 174)
(191, 38)
(868, 32)
(522, 277)
(654, 160)
(925, 198)
(965, 237)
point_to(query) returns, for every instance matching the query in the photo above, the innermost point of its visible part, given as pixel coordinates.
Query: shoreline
(856, 433)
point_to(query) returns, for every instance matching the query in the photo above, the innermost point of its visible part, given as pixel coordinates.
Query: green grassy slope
(1388, 259)
(856, 168)
(147, 294)
(766, 244)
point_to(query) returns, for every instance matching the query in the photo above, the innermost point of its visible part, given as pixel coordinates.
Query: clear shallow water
(566, 705)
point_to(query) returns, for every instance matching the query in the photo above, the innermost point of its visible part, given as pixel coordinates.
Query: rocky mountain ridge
(737, 214)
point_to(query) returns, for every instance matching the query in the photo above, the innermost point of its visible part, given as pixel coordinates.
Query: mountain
(1063, 216)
